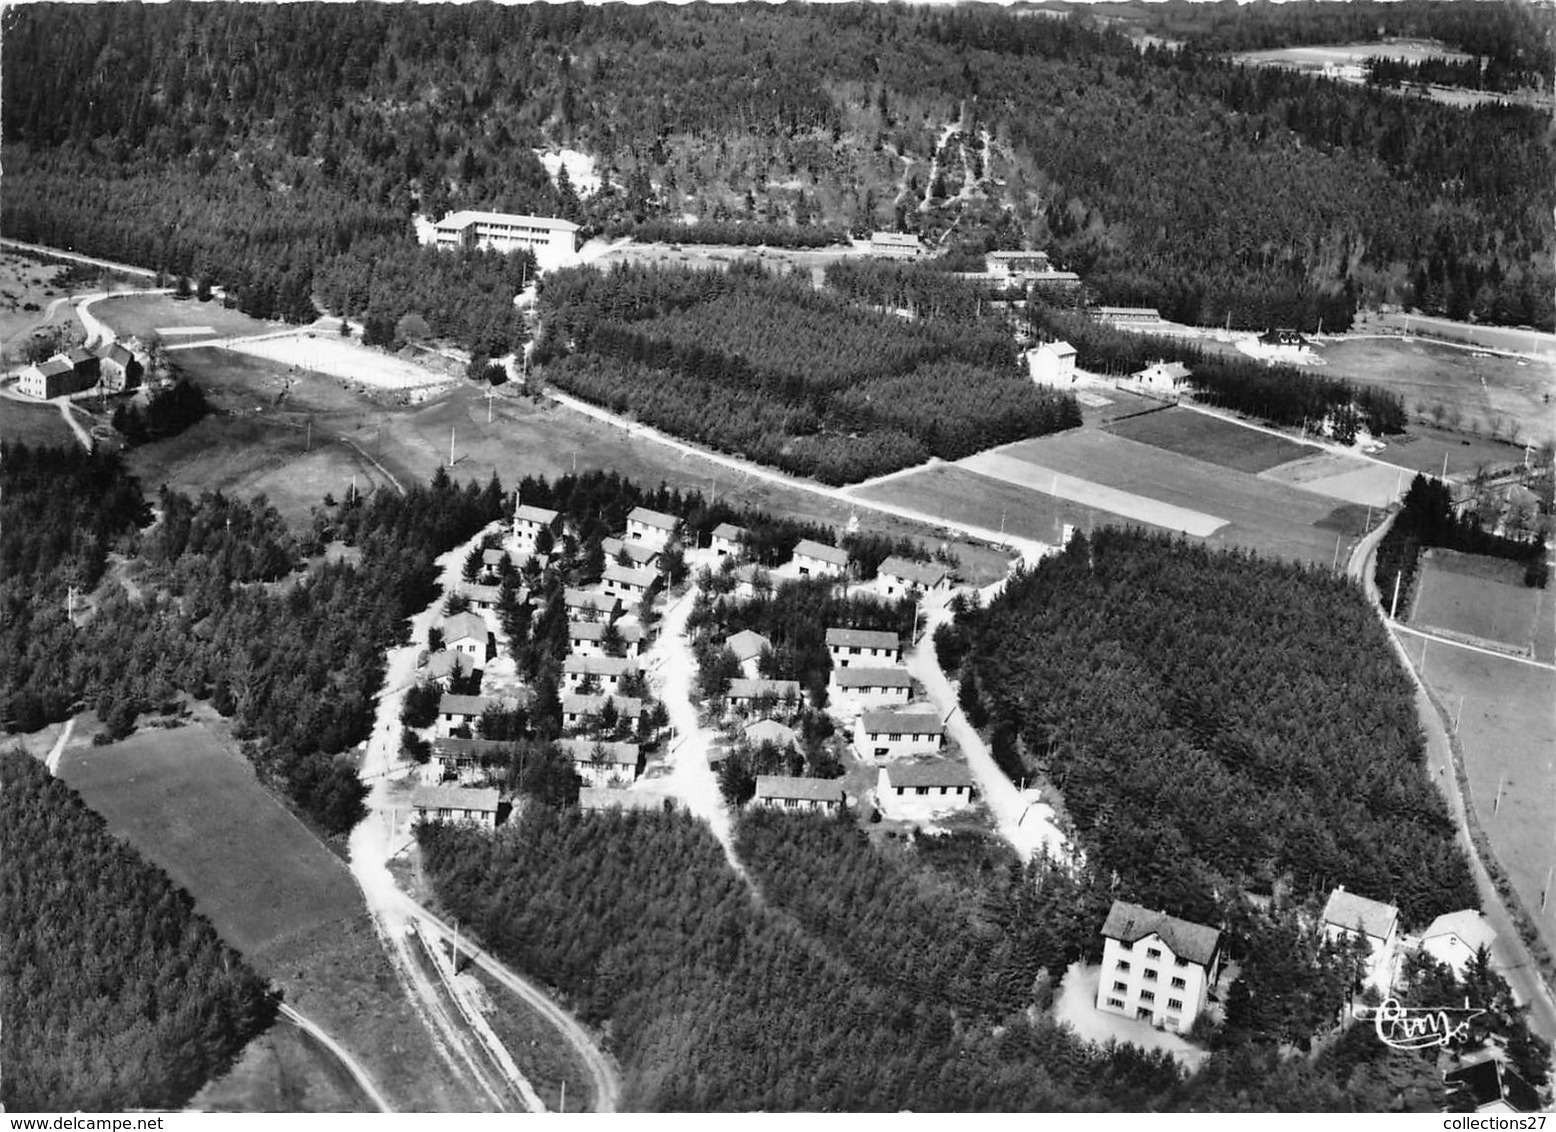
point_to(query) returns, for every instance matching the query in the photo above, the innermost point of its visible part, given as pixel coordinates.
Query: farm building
(771, 731)
(600, 798)
(463, 804)
(627, 583)
(653, 528)
(600, 763)
(847, 646)
(586, 638)
(748, 647)
(1156, 967)
(641, 556)
(467, 633)
(900, 577)
(446, 665)
(1454, 938)
(781, 792)
(870, 687)
(53, 378)
(1375, 923)
(1123, 316)
(1490, 1086)
(743, 694)
(922, 789)
(459, 711)
(590, 605)
(892, 734)
(529, 521)
(817, 560)
(579, 711)
(1161, 378)
(553, 241)
(729, 539)
(896, 245)
(121, 370)
(605, 671)
(1052, 363)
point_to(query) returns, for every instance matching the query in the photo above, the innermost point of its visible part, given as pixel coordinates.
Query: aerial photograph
(788, 557)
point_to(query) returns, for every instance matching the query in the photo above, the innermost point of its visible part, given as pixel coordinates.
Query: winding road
(354, 1067)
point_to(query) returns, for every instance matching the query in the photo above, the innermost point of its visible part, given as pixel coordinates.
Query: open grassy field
(138, 315)
(1424, 448)
(1344, 477)
(330, 355)
(283, 1070)
(1506, 730)
(1203, 437)
(33, 424)
(1482, 599)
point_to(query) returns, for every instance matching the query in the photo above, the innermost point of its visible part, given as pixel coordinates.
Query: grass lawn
(1212, 439)
(34, 425)
(545, 1059)
(138, 315)
(1478, 597)
(283, 1070)
(1506, 733)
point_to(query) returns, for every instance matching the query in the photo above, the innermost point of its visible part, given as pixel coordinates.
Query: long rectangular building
(548, 237)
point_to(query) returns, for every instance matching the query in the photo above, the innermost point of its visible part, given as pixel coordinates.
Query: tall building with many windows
(552, 240)
(1156, 967)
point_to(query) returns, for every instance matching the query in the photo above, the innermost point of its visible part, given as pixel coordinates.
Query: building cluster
(108, 369)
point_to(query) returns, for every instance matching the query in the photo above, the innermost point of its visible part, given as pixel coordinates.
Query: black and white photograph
(777, 557)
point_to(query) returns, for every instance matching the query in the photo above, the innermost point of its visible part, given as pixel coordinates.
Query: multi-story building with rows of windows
(1156, 967)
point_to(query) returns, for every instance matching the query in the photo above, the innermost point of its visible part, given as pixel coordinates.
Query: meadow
(1484, 601)
(1217, 441)
(140, 315)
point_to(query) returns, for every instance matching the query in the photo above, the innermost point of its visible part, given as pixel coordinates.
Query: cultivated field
(1483, 600)
(1346, 478)
(139, 315)
(333, 356)
(1217, 441)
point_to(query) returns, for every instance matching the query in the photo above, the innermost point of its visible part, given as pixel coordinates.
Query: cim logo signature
(1418, 1027)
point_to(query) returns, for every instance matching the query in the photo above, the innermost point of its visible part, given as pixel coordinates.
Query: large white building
(553, 241)
(653, 528)
(861, 688)
(1156, 967)
(872, 647)
(924, 789)
(896, 245)
(890, 734)
(1052, 363)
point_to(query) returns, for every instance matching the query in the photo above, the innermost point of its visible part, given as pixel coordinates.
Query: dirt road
(351, 1065)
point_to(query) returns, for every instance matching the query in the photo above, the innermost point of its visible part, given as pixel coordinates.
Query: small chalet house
(603, 764)
(871, 687)
(529, 521)
(1347, 915)
(584, 638)
(891, 734)
(607, 671)
(855, 646)
(446, 665)
(1162, 378)
(780, 792)
(121, 370)
(729, 539)
(1489, 1086)
(1156, 967)
(643, 556)
(480, 597)
(652, 527)
(588, 605)
(817, 560)
(459, 711)
(461, 758)
(580, 711)
(492, 559)
(626, 583)
(1454, 938)
(467, 633)
(1052, 363)
(771, 731)
(743, 694)
(922, 789)
(748, 647)
(461, 804)
(899, 577)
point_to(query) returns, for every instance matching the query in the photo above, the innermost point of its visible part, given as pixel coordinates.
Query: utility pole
(1497, 804)
(1394, 607)
(1457, 715)
(308, 444)
(1335, 565)
(451, 446)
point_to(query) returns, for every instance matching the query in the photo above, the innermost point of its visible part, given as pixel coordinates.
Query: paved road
(359, 1074)
(56, 253)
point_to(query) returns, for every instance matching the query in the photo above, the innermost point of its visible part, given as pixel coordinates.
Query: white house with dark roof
(480, 597)
(552, 239)
(1157, 968)
(895, 245)
(625, 582)
(782, 792)
(922, 789)
(601, 763)
(529, 521)
(608, 671)
(446, 665)
(729, 539)
(1164, 379)
(459, 711)
(641, 555)
(579, 711)
(652, 527)
(744, 693)
(1347, 915)
(467, 633)
(748, 647)
(121, 370)
(771, 731)
(462, 758)
(585, 638)
(590, 605)
(818, 560)
(852, 647)
(888, 733)
(1454, 938)
(862, 688)
(900, 577)
(463, 804)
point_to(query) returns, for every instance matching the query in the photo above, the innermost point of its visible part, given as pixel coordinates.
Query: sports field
(1483, 600)
(329, 354)
(139, 315)
(1218, 441)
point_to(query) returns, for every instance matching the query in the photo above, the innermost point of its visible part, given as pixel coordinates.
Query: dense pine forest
(257, 145)
(116, 993)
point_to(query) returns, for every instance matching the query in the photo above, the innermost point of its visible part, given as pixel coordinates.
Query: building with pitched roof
(654, 528)
(1454, 938)
(463, 804)
(1349, 916)
(770, 731)
(1052, 363)
(744, 693)
(585, 638)
(641, 555)
(861, 688)
(467, 633)
(121, 369)
(607, 671)
(901, 577)
(445, 665)
(921, 789)
(455, 712)
(601, 763)
(579, 712)
(782, 792)
(818, 560)
(888, 733)
(625, 582)
(590, 605)
(1156, 967)
(729, 539)
(1490, 1086)
(529, 521)
(896, 245)
(552, 240)
(870, 646)
(748, 647)
(53, 378)
(1164, 379)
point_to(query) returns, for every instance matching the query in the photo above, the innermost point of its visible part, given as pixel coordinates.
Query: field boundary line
(1514, 657)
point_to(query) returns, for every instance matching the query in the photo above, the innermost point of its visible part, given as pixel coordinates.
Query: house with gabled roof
(818, 560)
(607, 671)
(467, 633)
(893, 733)
(1349, 916)
(625, 582)
(590, 605)
(1490, 1086)
(901, 577)
(445, 665)
(771, 731)
(481, 597)
(529, 521)
(862, 688)
(813, 795)
(461, 804)
(1455, 937)
(585, 638)
(580, 711)
(729, 539)
(652, 527)
(601, 763)
(748, 647)
(744, 693)
(921, 789)
(641, 555)
(1157, 968)
(463, 758)
(871, 647)
(459, 711)
(121, 369)
(53, 378)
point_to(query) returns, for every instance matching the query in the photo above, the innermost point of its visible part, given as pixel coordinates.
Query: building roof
(1000, 257)
(493, 556)
(1055, 349)
(1128, 923)
(463, 625)
(484, 798)
(1469, 924)
(806, 789)
(589, 599)
(583, 750)
(921, 573)
(117, 352)
(770, 731)
(595, 630)
(456, 220)
(636, 551)
(653, 518)
(629, 707)
(891, 722)
(895, 239)
(475, 591)
(731, 532)
(600, 665)
(450, 704)
(928, 772)
(1129, 312)
(871, 678)
(611, 798)
(626, 575)
(542, 515)
(748, 645)
(1173, 371)
(472, 748)
(1346, 910)
(809, 548)
(1490, 1081)
(80, 355)
(862, 639)
(743, 689)
(445, 662)
(54, 367)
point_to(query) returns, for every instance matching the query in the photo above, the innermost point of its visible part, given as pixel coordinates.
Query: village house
(1157, 968)
(605, 798)
(579, 712)
(1161, 379)
(781, 792)
(1347, 915)
(53, 378)
(492, 559)
(455, 712)
(771, 731)
(88, 366)
(1490, 1086)
(605, 671)
(1454, 938)
(922, 789)
(870, 687)
(900, 577)
(748, 647)
(626, 583)
(467, 633)
(603, 763)
(653, 528)
(590, 605)
(817, 560)
(586, 638)
(729, 539)
(896, 245)
(743, 694)
(746, 576)
(121, 370)
(481, 597)
(529, 521)
(850, 646)
(446, 665)
(1052, 363)
(461, 804)
(642, 556)
(461, 759)
(891, 734)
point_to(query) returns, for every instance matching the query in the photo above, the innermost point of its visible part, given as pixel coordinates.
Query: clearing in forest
(1482, 600)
